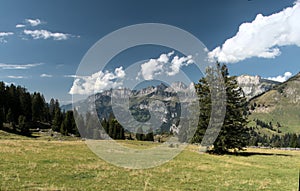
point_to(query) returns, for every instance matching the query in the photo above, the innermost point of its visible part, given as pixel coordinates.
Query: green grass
(288, 116)
(37, 164)
(281, 104)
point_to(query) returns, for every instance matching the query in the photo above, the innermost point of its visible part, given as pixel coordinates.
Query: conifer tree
(233, 134)
(23, 125)
(139, 134)
(57, 120)
(149, 135)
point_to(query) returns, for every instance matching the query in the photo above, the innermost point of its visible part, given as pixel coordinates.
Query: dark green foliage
(79, 122)
(92, 126)
(52, 108)
(277, 140)
(57, 119)
(68, 125)
(9, 116)
(140, 134)
(17, 106)
(149, 135)
(38, 107)
(24, 128)
(113, 128)
(233, 134)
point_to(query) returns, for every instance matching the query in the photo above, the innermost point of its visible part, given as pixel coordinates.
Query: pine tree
(9, 116)
(79, 123)
(293, 141)
(57, 120)
(105, 125)
(23, 125)
(92, 125)
(68, 125)
(52, 108)
(149, 135)
(233, 134)
(38, 107)
(139, 134)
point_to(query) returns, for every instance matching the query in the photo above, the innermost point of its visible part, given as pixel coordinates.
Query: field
(40, 164)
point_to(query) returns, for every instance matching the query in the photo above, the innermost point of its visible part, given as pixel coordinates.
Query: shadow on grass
(12, 131)
(248, 154)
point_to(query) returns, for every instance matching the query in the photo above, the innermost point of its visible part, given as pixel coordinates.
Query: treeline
(22, 111)
(89, 127)
(287, 140)
(268, 125)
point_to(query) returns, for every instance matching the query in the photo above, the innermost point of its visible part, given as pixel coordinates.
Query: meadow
(48, 164)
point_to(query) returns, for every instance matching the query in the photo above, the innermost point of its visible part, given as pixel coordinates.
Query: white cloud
(16, 77)
(3, 35)
(280, 78)
(262, 37)
(71, 76)
(97, 82)
(151, 68)
(165, 65)
(44, 34)
(178, 62)
(20, 26)
(18, 66)
(46, 76)
(33, 22)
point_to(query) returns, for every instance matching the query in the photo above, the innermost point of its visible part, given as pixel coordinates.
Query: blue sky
(43, 42)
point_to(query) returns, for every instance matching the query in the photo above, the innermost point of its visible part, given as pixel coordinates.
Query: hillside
(279, 106)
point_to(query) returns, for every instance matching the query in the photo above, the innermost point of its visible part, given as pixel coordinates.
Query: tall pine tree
(233, 133)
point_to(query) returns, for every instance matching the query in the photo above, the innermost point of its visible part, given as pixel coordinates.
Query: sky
(42, 43)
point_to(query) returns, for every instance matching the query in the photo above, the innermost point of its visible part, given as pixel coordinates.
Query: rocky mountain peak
(254, 85)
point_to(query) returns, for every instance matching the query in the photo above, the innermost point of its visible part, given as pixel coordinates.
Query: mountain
(255, 85)
(278, 107)
(166, 102)
(273, 103)
(251, 85)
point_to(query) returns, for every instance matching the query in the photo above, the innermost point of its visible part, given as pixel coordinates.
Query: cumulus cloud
(46, 76)
(44, 34)
(166, 64)
(16, 77)
(33, 22)
(281, 78)
(18, 66)
(262, 37)
(97, 82)
(3, 35)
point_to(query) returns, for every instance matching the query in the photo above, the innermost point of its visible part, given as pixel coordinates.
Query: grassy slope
(281, 106)
(32, 164)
